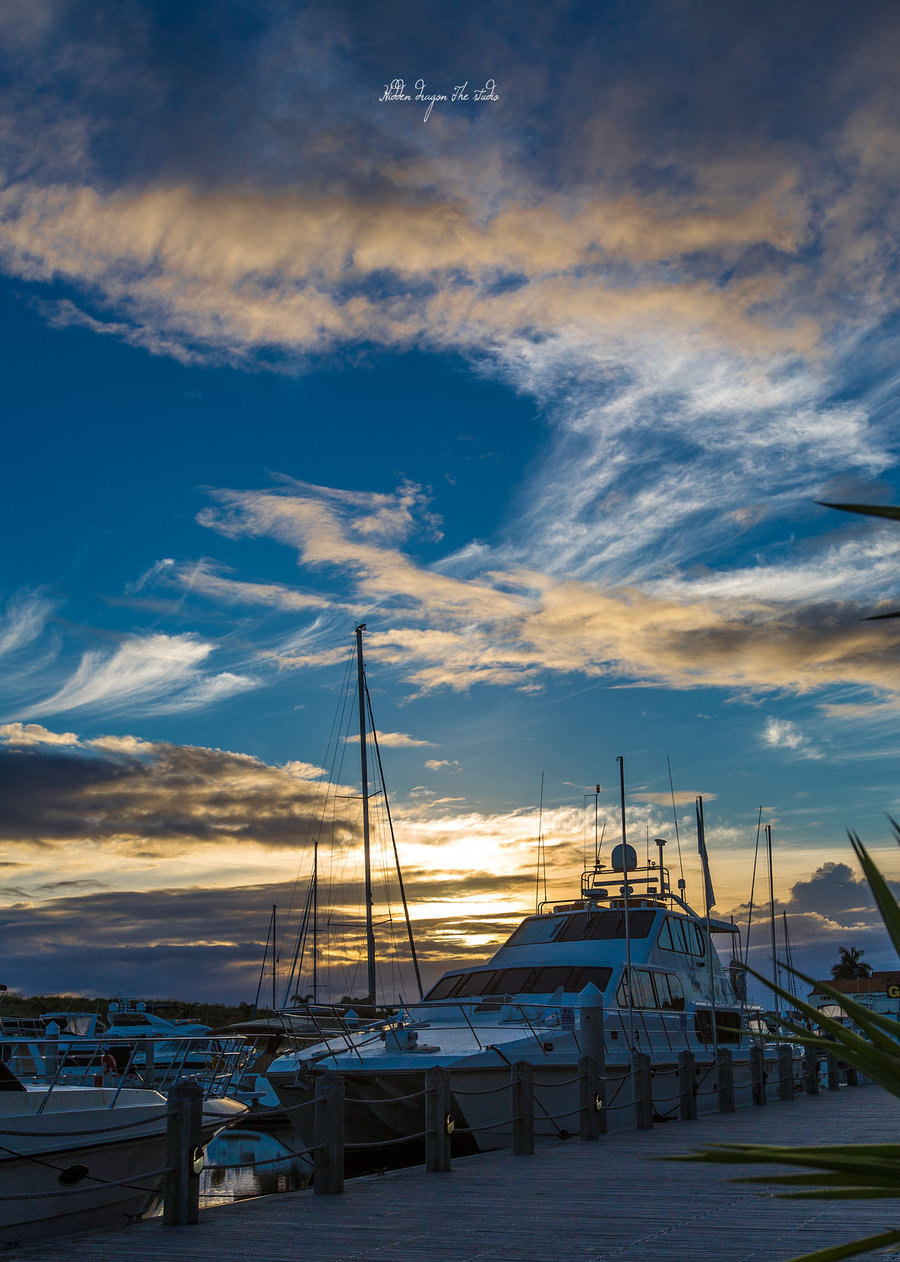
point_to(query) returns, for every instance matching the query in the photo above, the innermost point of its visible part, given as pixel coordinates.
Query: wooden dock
(585, 1201)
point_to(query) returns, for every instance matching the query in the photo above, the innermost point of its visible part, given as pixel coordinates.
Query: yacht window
(669, 991)
(128, 1018)
(580, 977)
(598, 925)
(535, 929)
(728, 1025)
(644, 996)
(444, 987)
(548, 979)
(642, 988)
(680, 934)
(672, 937)
(652, 990)
(513, 981)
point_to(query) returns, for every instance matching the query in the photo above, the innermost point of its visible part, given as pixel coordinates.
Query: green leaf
(852, 1250)
(887, 904)
(868, 510)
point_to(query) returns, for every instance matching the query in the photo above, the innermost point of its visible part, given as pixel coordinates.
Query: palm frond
(868, 510)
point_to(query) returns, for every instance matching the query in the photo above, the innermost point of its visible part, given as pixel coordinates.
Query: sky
(530, 336)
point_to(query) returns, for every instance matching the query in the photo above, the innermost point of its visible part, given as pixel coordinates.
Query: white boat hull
(91, 1158)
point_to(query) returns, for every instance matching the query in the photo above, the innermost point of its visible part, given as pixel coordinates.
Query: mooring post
(592, 1040)
(725, 1079)
(851, 1075)
(643, 1091)
(438, 1120)
(328, 1168)
(758, 1074)
(833, 1071)
(149, 1061)
(785, 1073)
(687, 1086)
(810, 1071)
(592, 1115)
(521, 1084)
(184, 1155)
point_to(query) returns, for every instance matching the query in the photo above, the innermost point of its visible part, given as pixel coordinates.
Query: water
(261, 1165)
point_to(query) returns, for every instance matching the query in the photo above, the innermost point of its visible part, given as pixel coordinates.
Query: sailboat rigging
(308, 939)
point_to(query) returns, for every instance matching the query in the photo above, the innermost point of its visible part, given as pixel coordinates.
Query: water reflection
(241, 1163)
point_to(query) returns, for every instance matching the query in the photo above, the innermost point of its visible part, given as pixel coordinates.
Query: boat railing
(216, 1064)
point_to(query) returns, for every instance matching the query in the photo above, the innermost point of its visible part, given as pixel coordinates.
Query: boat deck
(592, 1201)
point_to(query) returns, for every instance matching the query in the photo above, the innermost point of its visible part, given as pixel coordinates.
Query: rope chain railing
(181, 1123)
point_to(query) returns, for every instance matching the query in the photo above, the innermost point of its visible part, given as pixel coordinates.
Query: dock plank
(598, 1202)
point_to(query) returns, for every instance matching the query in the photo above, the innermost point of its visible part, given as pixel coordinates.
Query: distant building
(880, 993)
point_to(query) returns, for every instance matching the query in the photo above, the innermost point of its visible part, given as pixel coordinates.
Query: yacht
(153, 1045)
(626, 967)
(73, 1158)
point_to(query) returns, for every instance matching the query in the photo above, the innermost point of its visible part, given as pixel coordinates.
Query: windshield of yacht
(129, 1018)
(519, 981)
(582, 925)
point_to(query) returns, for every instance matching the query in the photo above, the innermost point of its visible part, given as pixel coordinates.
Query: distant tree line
(212, 1014)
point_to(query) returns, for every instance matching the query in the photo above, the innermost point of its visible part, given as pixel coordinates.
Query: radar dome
(623, 858)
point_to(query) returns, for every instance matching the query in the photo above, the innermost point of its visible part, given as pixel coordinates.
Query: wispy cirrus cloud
(738, 629)
(23, 621)
(150, 673)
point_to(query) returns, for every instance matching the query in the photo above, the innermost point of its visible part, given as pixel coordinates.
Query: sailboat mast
(625, 891)
(315, 922)
(772, 908)
(364, 776)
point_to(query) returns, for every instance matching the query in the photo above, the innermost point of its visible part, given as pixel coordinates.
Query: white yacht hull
(87, 1160)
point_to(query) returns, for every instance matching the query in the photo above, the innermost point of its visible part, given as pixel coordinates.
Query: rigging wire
(262, 967)
(387, 807)
(317, 812)
(752, 887)
(675, 813)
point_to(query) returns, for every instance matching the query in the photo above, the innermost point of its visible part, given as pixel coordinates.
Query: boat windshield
(519, 981)
(582, 926)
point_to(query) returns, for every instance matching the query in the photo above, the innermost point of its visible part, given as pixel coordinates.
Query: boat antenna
(540, 848)
(681, 881)
(598, 841)
(387, 808)
(752, 887)
(364, 777)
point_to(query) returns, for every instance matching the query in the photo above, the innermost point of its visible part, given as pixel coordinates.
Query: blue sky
(543, 388)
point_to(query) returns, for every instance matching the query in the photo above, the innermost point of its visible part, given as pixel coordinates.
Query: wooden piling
(725, 1080)
(184, 1155)
(592, 1116)
(438, 1121)
(758, 1075)
(687, 1087)
(522, 1104)
(785, 1073)
(643, 1091)
(328, 1168)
